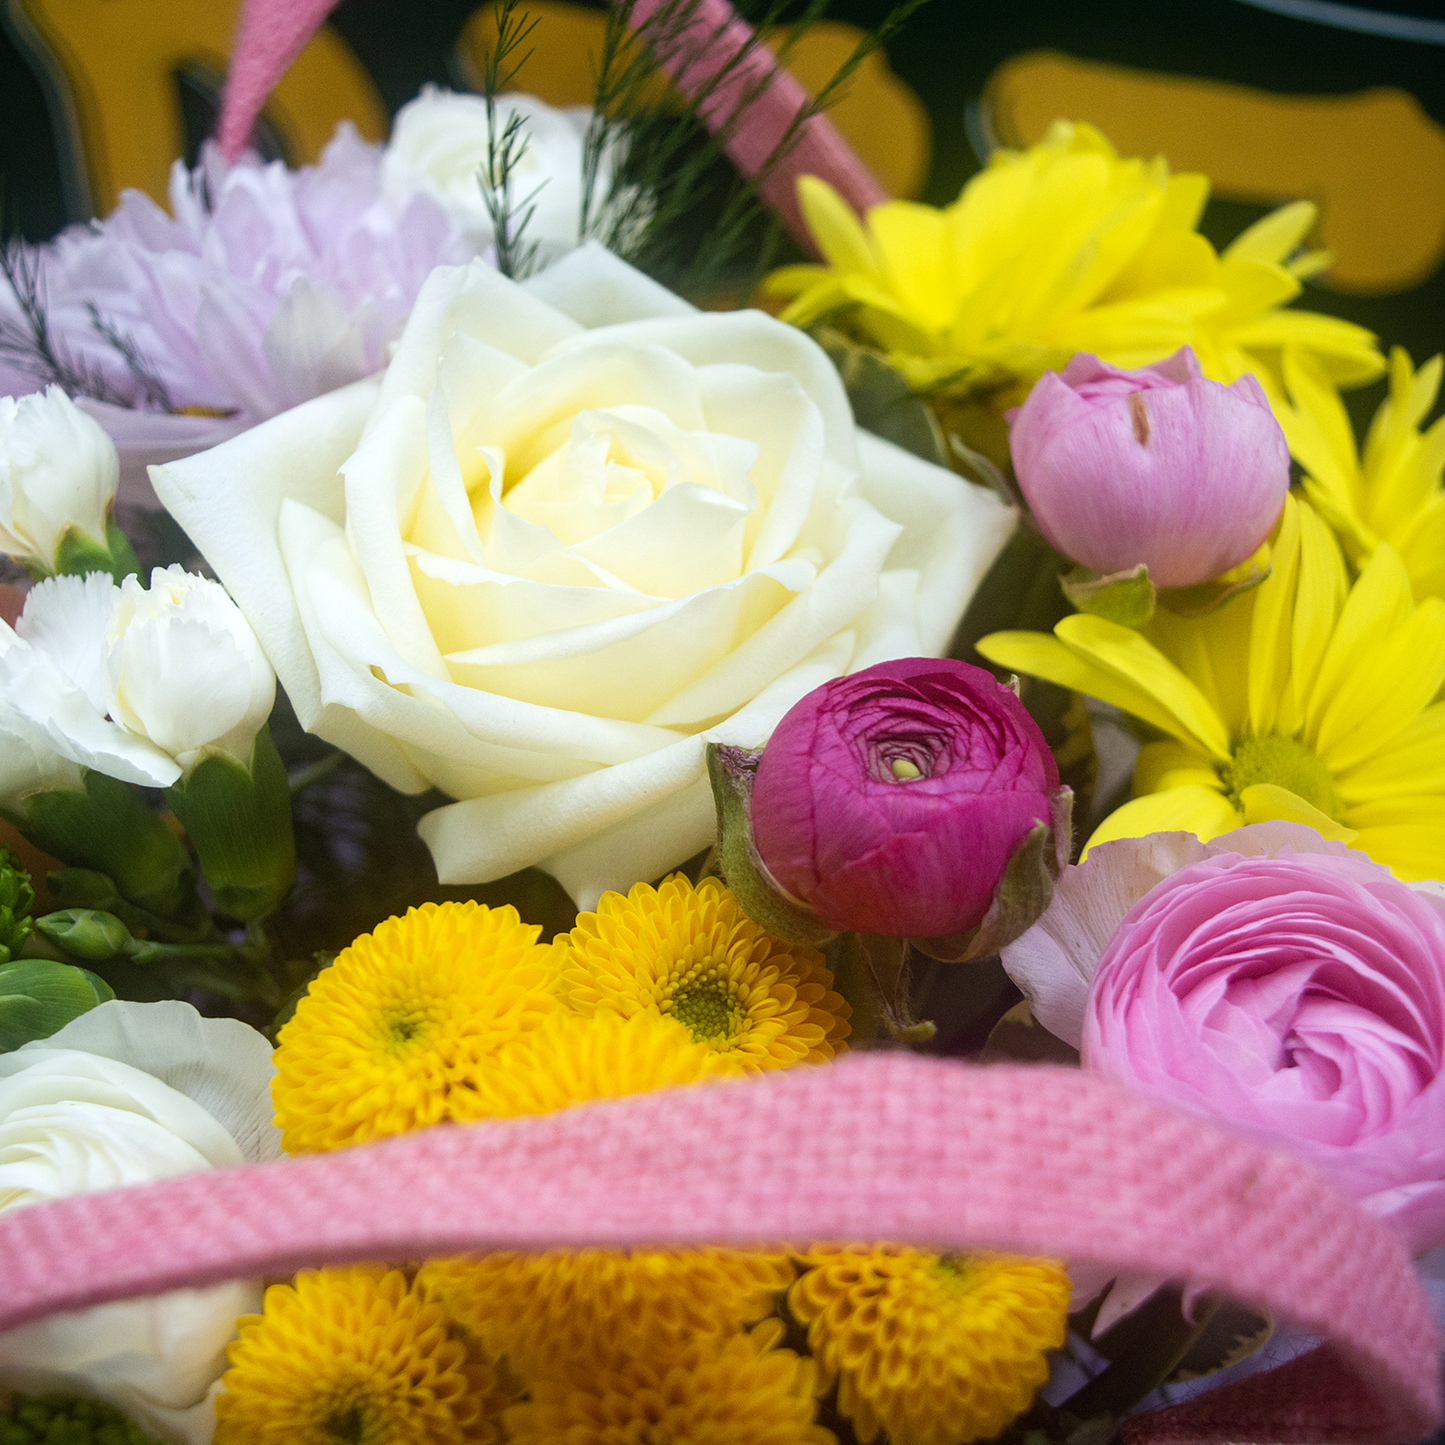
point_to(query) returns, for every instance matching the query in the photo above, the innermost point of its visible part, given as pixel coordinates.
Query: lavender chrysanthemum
(265, 287)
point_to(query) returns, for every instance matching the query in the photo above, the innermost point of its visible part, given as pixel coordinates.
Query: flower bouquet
(865, 867)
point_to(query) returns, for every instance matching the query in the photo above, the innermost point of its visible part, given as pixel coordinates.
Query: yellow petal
(1318, 428)
(1272, 631)
(1273, 238)
(1410, 851)
(1198, 810)
(1414, 808)
(1172, 765)
(1130, 655)
(1266, 801)
(1319, 600)
(913, 243)
(1414, 762)
(836, 227)
(1378, 604)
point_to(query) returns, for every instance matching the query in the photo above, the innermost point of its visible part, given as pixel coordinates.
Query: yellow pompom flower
(393, 1035)
(711, 1392)
(560, 1308)
(932, 1350)
(1307, 699)
(570, 1060)
(1391, 492)
(354, 1355)
(1061, 248)
(692, 954)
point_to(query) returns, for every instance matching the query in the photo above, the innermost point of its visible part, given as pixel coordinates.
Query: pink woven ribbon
(766, 97)
(879, 1146)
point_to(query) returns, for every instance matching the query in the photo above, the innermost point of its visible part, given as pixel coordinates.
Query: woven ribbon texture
(1030, 1159)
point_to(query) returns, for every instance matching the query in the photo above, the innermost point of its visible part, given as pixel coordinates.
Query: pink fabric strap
(879, 1146)
(272, 33)
(270, 37)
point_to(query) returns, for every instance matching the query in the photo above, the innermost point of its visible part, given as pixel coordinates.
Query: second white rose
(575, 531)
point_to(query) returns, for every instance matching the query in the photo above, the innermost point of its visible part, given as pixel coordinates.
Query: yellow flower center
(1286, 763)
(349, 1423)
(708, 1009)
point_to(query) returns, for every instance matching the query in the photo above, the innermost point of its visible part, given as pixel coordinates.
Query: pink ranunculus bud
(891, 802)
(1300, 997)
(1159, 466)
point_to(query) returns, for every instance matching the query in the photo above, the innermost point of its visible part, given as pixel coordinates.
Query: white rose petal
(124, 1094)
(576, 531)
(58, 470)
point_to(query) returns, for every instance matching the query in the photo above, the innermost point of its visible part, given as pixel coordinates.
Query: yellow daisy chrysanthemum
(355, 1355)
(1392, 492)
(932, 1350)
(562, 1308)
(1061, 248)
(571, 1060)
(393, 1034)
(1306, 699)
(692, 954)
(711, 1392)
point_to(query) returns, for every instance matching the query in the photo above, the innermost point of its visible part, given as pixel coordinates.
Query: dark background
(946, 54)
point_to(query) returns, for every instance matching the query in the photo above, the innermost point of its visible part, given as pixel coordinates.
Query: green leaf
(38, 997)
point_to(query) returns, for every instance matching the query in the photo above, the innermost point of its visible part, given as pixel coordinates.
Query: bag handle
(1023, 1158)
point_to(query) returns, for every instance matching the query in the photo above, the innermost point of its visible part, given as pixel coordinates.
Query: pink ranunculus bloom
(1301, 997)
(1159, 466)
(890, 801)
(263, 287)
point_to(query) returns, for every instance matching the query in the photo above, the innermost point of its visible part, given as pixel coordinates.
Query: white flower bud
(184, 668)
(439, 145)
(58, 472)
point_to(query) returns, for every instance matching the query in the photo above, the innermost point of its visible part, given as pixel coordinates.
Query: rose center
(708, 1010)
(1287, 764)
(903, 759)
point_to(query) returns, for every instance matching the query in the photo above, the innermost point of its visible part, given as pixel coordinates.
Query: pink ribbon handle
(714, 42)
(1032, 1160)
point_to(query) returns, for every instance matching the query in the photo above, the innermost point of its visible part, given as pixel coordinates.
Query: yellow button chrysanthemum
(1061, 248)
(692, 954)
(559, 1309)
(1392, 492)
(393, 1035)
(711, 1392)
(571, 1060)
(1306, 699)
(355, 1355)
(932, 1350)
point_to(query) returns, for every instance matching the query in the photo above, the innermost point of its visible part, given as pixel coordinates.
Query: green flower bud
(86, 933)
(239, 822)
(17, 898)
(106, 826)
(56, 1420)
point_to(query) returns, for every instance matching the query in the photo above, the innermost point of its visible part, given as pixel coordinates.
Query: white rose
(58, 471)
(124, 1094)
(184, 668)
(575, 531)
(439, 145)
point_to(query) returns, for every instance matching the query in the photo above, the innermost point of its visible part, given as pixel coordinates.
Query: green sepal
(731, 771)
(1207, 597)
(1127, 598)
(1022, 894)
(78, 553)
(86, 933)
(39, 996)
(882, 400)
(106, 826)
(239, 822)
(17, 898)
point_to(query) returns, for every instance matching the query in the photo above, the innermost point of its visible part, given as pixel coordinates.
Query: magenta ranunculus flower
(891, 801)
(1159, 466)
(1301, 997)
